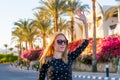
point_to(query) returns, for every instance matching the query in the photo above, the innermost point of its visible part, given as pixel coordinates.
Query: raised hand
(81, 15)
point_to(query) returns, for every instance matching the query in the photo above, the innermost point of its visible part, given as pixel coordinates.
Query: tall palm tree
(63, 25)
(6, 46)
(24, 32)
(11, 49)
(54, 8)
(28, 31)
(94, 62)
(18, 37)
(72, 6)
(119, 13)
(43, 24)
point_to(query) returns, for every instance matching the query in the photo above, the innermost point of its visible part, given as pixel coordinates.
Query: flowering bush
(31, 55)
(106, 49)
(109, 48)
(73, 45)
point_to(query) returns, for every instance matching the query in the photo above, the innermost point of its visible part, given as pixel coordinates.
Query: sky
(14, 10)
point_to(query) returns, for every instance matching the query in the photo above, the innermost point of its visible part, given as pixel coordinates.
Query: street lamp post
(94, 62)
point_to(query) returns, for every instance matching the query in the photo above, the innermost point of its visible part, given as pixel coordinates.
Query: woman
(56, 62)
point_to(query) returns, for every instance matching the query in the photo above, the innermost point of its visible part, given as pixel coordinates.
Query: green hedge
(7, 58)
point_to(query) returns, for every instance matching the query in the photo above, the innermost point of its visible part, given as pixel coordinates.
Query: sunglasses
(59, 41)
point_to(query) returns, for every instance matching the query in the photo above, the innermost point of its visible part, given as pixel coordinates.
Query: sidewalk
(88, 75)
(96, 76)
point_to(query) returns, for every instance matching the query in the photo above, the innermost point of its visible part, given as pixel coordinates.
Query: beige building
(105, 27)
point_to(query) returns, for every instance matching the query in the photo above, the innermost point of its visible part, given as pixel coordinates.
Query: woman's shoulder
(85, 39)
(48, 60)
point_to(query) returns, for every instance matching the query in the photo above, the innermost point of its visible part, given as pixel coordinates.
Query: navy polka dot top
(56, 69)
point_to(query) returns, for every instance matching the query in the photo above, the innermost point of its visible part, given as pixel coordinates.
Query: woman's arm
(73, 55)
(42, 72)
(81, 48)
(82, 17)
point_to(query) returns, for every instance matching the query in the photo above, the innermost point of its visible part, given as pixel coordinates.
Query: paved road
(8, 72)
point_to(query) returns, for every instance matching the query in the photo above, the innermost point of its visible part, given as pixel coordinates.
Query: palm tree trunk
(72, 28)
(44, 41)
(31, 44)
(26, 45)
(119, 14)
(55, 23)
(20, 50)
(94, 62)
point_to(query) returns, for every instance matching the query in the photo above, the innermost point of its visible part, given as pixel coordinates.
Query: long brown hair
(49, 51)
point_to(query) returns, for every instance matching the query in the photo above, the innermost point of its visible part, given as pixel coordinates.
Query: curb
(88, 77)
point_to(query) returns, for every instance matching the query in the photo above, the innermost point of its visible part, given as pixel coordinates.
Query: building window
(112, 26)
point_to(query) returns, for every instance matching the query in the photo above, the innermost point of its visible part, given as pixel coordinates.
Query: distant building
(104, 27)
(107, 27)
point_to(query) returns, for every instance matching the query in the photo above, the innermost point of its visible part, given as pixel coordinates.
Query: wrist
(84, 21)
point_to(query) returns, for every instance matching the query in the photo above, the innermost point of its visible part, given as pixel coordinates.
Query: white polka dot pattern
(56, 69)
(79, 50)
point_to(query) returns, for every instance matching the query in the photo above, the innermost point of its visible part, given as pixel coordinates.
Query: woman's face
(60, 43)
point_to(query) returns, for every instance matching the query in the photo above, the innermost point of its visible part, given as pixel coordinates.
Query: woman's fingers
(82, 12)
(79, 12)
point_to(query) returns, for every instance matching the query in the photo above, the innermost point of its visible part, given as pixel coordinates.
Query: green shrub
(86, 59)
(7, 58)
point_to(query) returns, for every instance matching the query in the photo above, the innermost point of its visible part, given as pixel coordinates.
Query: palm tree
(63, 25)
(11, 49)
(24, 32)
(43, 24)
(53, 8)
(72, 6)
(6, 46)
(18, 37)
(119, 13)
(26, 27)
(94, 62)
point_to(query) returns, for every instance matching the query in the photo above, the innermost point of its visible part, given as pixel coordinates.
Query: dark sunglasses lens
(59, 42)
(66, 41)
(62, 41)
